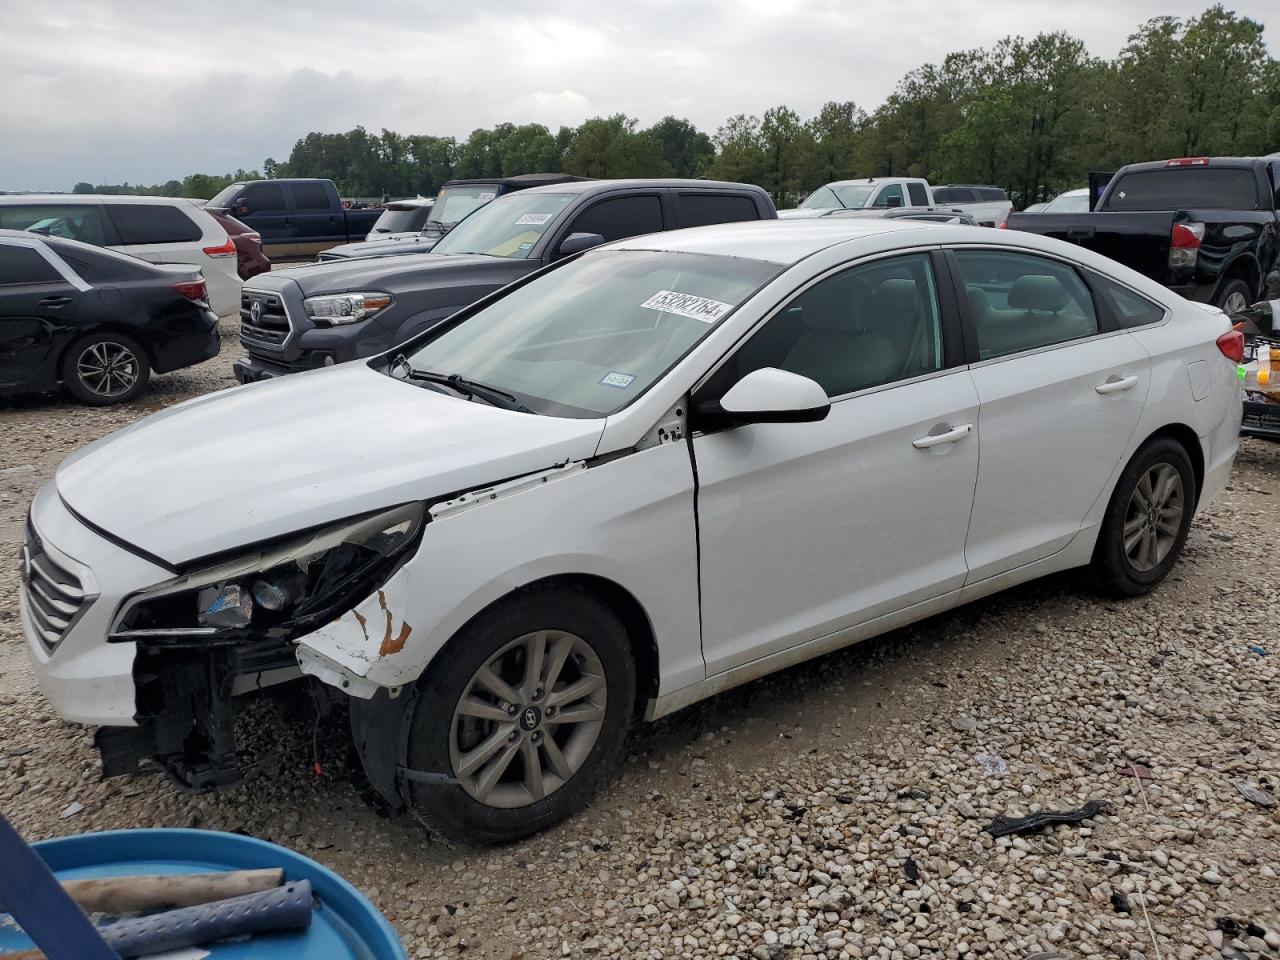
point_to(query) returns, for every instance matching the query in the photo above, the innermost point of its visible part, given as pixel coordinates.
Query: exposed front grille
(263, 317)
(54, 595)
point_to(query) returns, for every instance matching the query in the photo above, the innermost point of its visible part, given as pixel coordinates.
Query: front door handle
(55, 301)
(1116, 385)
(937, 439)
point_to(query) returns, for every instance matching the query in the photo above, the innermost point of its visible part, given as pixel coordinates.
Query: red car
(250, 258)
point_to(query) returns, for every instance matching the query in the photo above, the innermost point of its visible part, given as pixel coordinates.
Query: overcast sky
(116, 90)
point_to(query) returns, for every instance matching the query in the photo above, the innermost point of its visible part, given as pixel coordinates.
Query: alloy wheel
(1235, 303)
(107, 368)
(1154, 516)
(528, 719)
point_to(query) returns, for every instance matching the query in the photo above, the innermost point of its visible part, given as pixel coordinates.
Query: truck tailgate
(1139, 240)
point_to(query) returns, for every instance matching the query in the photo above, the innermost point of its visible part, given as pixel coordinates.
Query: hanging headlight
(282, 590)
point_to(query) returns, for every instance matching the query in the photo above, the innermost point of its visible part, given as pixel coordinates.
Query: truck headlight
(282, 590)
(339, 308)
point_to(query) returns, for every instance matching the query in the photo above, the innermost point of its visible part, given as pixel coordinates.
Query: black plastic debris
(1004, 826)
(1229, 926)
(912, 870)
(1119, 902)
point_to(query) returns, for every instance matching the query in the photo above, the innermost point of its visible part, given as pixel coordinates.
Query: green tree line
(1031, 115)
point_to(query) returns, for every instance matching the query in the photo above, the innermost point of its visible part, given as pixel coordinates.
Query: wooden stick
(146, 894)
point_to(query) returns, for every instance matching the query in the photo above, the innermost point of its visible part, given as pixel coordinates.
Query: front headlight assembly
(336, 309)
(283, 589)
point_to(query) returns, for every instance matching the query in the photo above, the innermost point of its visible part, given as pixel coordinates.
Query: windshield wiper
(471, 388)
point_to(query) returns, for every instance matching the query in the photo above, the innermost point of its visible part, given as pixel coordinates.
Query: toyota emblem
(255, 311)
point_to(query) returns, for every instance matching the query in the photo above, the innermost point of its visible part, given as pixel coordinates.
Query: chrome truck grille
(54, 595)
(263, 317)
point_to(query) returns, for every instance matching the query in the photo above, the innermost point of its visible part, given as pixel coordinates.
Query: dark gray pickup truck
(1205, 227)
(315, 316)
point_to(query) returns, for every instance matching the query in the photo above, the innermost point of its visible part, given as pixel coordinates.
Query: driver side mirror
(1260, 319)
(239, 209)
(770, 395)
(577, 242)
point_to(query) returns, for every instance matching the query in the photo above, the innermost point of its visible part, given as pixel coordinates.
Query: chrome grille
(54, 595)
(271, 323)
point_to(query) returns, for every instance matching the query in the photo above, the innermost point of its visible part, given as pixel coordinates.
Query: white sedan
(621, 485)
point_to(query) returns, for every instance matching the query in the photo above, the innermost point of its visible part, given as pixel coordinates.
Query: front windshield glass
(507, 227)
(1067, 203)
(402, 219)
(835, 197)
(225, 195)
(455, 203)
(588, 338)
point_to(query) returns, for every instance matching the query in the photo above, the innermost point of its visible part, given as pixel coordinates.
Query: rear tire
(106, 367)
(1146, 523)
(1234, 296)
(461, 713)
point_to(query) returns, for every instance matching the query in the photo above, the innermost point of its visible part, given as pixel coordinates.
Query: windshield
(455, 203)
(507, 227)
(589, 337)
(406, 219)
(225, 195)
(834, 197)
(1183, 188)
(1068, 203)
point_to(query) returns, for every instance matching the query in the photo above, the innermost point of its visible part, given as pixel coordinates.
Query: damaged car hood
(230, 469)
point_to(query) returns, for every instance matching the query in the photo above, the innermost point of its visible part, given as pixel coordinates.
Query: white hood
(251, 463)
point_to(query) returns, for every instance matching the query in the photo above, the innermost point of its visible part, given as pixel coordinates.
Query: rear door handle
(937, 439)
(55, 301)
(1116, 385)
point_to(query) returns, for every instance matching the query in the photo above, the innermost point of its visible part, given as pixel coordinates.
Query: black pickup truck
(296, 218)
(1203, 227)
(315, 316)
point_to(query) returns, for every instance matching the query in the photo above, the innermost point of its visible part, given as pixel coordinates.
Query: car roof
(519, 180)
(865, 180)
(778, 241)
(18, 199)
(583, 187)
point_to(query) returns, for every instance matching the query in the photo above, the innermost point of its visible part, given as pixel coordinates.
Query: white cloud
(114, 90)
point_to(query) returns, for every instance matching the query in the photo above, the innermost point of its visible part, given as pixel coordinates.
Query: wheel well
(127, 331)
(1244, 268)
(644, 646)
(1185, 436)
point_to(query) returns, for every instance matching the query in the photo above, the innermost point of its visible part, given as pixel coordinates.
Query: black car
(1207, 228)
(315, 316)
(96, 321)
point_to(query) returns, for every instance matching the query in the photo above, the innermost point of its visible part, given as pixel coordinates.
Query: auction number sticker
(687, 305)
(534, 219)
(615, 379)
(485, 197)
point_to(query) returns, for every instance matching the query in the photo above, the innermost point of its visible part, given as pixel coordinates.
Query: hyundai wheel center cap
(530, 718)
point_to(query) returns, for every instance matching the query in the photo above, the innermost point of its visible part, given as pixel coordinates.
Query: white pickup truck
(988, 206)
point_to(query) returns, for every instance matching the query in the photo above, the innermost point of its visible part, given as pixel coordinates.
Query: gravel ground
(835, 810)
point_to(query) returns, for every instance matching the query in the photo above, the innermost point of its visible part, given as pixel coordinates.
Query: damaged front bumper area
(162, 661)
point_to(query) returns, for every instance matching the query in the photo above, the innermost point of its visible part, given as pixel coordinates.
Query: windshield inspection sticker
(687, 305)
(485, 197)
(533, 219)
(615, 379)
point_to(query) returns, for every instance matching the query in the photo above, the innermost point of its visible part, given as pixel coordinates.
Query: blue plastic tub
(344, 923)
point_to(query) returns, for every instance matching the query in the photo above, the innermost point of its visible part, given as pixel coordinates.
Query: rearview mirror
(770, 395)
(577, 242)
(1260, 318)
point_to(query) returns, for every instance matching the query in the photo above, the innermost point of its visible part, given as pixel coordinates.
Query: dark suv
(315, 316)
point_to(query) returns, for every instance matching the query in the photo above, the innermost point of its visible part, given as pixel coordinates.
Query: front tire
(1146, 523)
(106, 367)
(1234, 296)
(522, 718)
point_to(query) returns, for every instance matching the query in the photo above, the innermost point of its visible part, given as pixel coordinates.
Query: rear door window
(1129, 309)
(1181, 188)
(1020, 301)
(700, 209)
(20, 265)
(991, 193)
(74, 221)
(918, 196)
(147, 223)
(263, 198)
(617, 218)
(310, 197)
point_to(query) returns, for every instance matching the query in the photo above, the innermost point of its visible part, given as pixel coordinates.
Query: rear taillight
(1188, 162)
(1184, 244)
(192, 289)
(1232, 345)
(227, 249)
